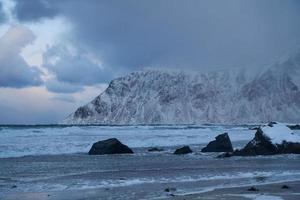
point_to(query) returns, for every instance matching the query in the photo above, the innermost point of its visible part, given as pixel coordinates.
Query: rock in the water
(294, 127)
(271, 124)
(109, 146)
(259, 145)
(170, 189)
(272, 139)
(253, 189)
(221, 143)
(155, 149)
(183, 150)
(289, 147)
(285, 187)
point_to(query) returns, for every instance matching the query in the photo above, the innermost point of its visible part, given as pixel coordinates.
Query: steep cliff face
(164, 97)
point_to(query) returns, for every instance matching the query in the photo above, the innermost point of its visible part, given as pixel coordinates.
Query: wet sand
(146, 175)
(272, 191)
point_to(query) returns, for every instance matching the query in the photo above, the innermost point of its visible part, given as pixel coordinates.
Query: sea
(51, 162)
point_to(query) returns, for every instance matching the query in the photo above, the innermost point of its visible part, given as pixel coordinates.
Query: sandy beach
(147, 175)
(273, 191)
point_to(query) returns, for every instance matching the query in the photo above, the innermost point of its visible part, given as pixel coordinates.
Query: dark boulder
(221, 143)
(109, 146)
(271, 124)
(285, 187)
(294, 127)
(183, 150)
(253, 189)
(155, 149)
(259, 145)
(289, 147)
(170, 190)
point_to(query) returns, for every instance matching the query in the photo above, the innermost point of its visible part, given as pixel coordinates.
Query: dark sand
(272, 191)
(146, 175)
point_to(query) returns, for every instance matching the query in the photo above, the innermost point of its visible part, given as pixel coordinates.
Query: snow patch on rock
(278, 132)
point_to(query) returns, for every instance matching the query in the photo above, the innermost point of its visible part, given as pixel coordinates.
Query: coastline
(145, 176)
(266, 191)
(46, 163)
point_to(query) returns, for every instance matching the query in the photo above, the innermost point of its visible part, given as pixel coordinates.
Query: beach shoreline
(268, 190)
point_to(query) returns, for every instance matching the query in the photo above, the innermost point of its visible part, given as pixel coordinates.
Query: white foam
(57, 140)
(259, 197)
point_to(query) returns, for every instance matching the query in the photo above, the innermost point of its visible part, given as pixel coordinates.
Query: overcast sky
(58, 54)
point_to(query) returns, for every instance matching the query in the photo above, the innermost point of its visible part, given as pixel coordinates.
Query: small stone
(170, 189)
(183, 150)
(155, 149)
(253, 189)
(285, 187)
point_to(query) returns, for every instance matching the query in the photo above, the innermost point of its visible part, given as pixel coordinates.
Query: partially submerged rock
(259, 145)
(275, 138)
(109, 146)
(170, 190)
(221, 143)
(294, 127)
(183, 150)
(289, 147)
(253, 189)
(285, 187)
(155, 149)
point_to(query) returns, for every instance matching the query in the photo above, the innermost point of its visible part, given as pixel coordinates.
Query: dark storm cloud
(130, 34)
(32, 10)
(14, 71)
(72, 69)
(17, 74)
(2, 14)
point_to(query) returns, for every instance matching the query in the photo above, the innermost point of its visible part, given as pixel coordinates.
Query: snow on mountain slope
(168, 97)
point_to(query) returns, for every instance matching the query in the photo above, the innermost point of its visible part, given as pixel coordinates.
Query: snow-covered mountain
(169, 97)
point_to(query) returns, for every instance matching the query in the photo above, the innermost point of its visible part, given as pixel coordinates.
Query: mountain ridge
(178, 97)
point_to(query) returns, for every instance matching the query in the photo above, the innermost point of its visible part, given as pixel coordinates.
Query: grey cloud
(73, 69)
(188, 34)
(14, 71)
(2, 14)
(62, 87)
(32, 10)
